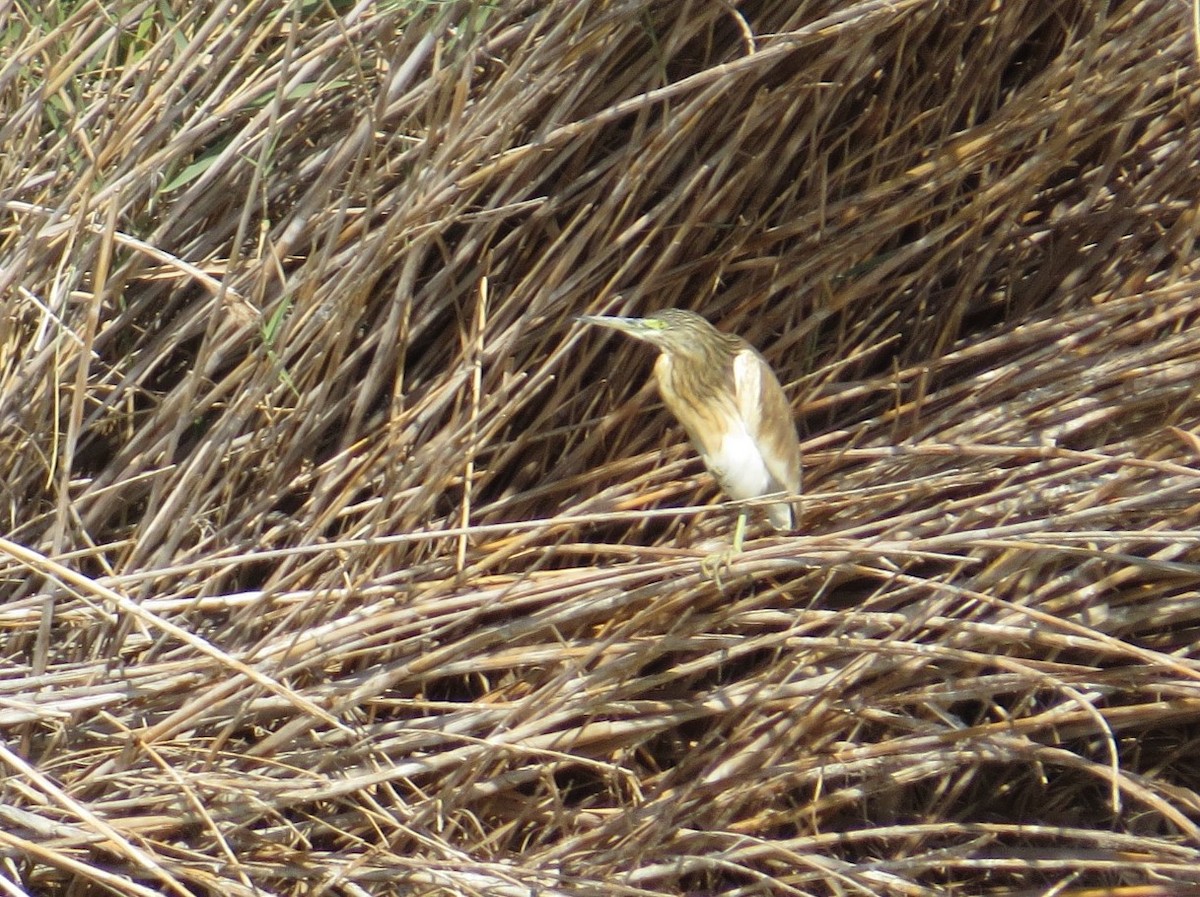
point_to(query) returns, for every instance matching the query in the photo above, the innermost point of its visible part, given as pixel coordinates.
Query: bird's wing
(768, 416)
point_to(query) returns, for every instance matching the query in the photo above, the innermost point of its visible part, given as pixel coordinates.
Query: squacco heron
(730, 403)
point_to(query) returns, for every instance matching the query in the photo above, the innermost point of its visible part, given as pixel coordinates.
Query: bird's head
(672, 330)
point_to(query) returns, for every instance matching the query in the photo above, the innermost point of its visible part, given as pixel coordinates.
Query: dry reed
(338, 561)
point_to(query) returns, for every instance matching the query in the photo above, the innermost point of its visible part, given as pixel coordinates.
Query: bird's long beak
(633, 326)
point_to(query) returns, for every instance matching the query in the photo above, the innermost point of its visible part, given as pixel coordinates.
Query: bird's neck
(702, 371)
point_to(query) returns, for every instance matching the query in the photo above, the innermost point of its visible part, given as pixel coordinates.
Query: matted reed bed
(338, 560)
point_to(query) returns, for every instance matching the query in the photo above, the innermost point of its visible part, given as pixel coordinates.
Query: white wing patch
(777, 470)
(738, 465)
(747, 387)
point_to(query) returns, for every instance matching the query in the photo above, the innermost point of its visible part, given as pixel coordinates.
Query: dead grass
(338, 561)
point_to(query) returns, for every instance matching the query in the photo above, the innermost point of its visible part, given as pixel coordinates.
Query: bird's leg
(739, 530)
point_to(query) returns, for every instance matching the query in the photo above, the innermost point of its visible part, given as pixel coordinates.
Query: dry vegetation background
(338, 561)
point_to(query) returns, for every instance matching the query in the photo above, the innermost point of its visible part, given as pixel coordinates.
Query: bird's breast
(718, 433)
(716, 430)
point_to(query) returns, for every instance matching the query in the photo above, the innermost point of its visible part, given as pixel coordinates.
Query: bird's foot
(713, 564)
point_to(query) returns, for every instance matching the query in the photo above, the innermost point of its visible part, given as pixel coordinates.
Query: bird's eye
(656, 324)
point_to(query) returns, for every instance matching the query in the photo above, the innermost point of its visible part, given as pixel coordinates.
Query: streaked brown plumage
(729, 402)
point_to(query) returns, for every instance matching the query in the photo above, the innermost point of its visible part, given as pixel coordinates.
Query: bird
(724, 393)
